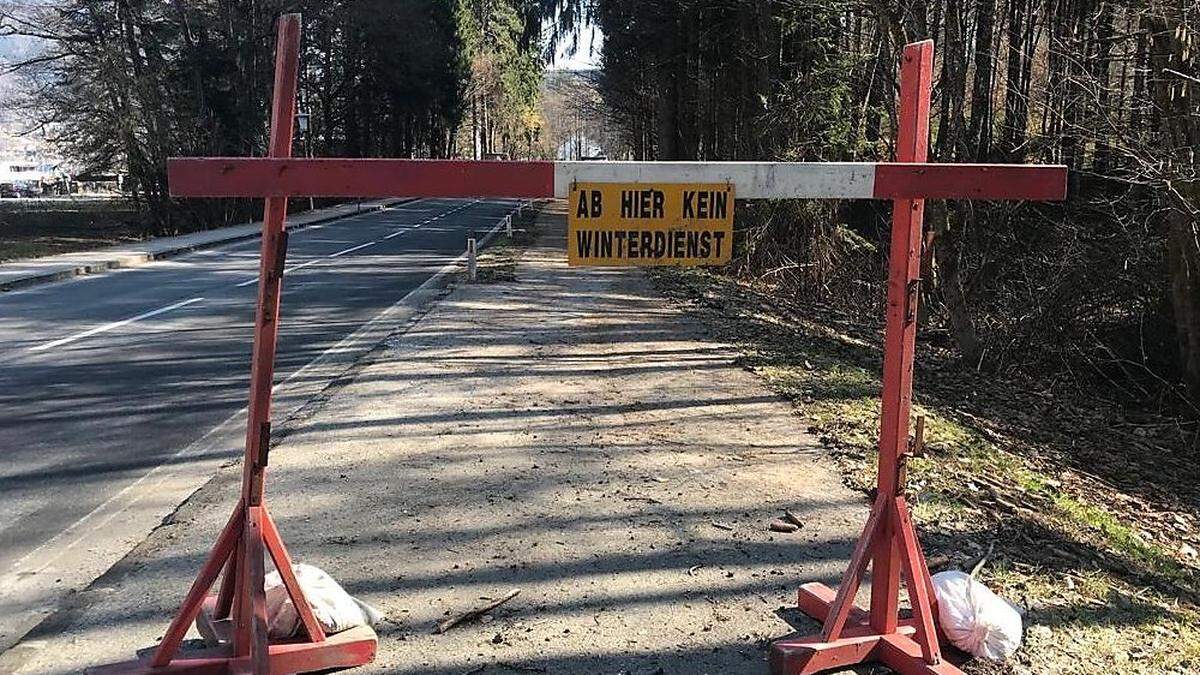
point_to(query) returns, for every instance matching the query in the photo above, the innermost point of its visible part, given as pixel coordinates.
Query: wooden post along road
(655, 210)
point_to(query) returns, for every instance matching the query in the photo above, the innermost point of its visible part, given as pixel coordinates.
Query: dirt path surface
(569, 434)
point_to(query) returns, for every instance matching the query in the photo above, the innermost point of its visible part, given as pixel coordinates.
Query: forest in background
(121, 85)
(1100, 291)
(1104, 288)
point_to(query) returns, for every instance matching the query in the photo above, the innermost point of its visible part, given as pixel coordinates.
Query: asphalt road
(103, 379)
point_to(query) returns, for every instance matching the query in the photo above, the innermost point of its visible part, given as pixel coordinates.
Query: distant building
(577, 148)
(32, 176)
(28, 172)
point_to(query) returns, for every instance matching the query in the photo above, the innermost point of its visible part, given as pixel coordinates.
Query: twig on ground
(520, 668)
(983, 561)
(780, 525)
(507, 666)
(453, 621)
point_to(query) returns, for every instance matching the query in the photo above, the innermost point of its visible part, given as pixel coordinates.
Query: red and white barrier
(249, 177)
(888, 544)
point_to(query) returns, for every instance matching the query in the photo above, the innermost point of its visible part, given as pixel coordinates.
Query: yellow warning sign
(649, 224)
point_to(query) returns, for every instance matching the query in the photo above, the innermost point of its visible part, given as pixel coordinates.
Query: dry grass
(1089, 508)
(31, 230)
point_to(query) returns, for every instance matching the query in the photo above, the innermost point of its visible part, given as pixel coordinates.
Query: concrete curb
(137, 259)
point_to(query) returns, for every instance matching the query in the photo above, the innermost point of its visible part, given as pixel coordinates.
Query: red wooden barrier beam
(274, 177)
(1029, 182)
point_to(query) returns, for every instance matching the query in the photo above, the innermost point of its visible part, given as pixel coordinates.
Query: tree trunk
(1016, 85)
(950, 283)
(980, 132)
(1176, 95)
(1183, 258)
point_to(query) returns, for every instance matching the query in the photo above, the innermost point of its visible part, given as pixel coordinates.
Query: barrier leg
(221, 552)
(283, 563)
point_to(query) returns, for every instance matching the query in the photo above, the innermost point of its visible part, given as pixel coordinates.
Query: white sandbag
(335, 609)
(975, 619)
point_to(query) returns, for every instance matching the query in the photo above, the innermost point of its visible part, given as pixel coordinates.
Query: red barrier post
(235, 621)
(889, 540)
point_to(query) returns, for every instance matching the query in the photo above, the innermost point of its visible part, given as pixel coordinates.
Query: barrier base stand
(858, 643)
(237, 615)
(354, 647)
(234, 620)
(347, 649)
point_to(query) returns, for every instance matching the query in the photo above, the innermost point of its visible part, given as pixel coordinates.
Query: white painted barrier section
(753, 180)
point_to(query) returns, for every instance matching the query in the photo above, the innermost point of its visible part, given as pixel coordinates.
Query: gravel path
(569, 434)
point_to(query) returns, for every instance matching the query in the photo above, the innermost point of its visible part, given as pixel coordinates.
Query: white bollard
(508, 226)
(471, 259)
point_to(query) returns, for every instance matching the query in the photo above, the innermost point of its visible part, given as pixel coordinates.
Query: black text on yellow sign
(616, 224)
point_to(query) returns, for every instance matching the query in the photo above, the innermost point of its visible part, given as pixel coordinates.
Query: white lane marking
(287, 270)
(352, 249)
(293, 268)
(301, 266)
(116, 324)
